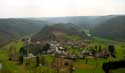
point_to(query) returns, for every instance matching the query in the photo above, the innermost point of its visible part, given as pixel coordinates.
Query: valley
(80, 65)
(93, 44)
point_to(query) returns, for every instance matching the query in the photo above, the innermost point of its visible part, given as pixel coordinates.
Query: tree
(37, 61)
(95, 47)
(107, 66)
(23, 51)
(93, 51)
(100, 48)
(43, 60)
(45, 48)
(12, 52)
(86, 60)
(111, 49)
(21, 59)
(71, 68)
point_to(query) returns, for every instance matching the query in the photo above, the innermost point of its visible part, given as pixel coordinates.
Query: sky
(57, 8)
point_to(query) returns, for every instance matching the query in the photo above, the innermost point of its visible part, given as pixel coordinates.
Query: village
(64, 56)
(61, 48)
(64, 53)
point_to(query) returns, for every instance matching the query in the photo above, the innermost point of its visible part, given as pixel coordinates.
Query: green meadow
(93, 65)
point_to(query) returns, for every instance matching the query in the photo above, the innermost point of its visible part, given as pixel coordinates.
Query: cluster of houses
(59, 48)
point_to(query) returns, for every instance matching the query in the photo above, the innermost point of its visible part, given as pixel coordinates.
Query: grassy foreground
(92, 66)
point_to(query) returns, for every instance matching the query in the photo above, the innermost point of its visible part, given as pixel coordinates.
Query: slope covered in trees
(59, 32)
(14, 28)
(101, 25)
(113, 29)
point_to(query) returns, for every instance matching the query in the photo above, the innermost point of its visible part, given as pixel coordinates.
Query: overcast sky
(55, 8)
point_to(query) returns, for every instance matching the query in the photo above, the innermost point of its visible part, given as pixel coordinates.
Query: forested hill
(113, 29)
(60, 31)
(111, 26)
(14, 28)
(24, 26)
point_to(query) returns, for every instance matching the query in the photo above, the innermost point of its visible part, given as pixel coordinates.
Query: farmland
(92, 66)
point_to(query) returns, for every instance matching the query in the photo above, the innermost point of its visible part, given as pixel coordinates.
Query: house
(102, 54)
(84, 53)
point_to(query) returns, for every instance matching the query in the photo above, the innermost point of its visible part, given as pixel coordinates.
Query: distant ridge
(11, 28)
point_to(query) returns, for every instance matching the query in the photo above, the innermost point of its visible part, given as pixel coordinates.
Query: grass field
(93, 66)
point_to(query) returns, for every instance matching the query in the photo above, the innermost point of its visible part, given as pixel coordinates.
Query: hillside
(14, 28)
(85, 22)
(60, 32)
(23, 25)
(6, 34)
(60, 46)
(113, 29)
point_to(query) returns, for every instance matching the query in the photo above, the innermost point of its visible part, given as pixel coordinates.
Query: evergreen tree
(100, 48)
(21, 59)
(45, 48)
(37, 61)
(23, 51)
(111, 49)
